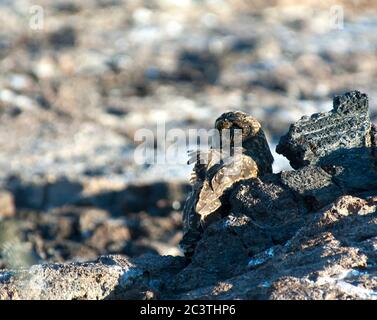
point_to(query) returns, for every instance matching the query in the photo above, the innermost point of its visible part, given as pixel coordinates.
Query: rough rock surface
(312, 138)
(309, 233)
(332, 256)
(109, 277)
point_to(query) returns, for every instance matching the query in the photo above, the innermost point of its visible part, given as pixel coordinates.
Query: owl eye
(246, 131)
(224, 124)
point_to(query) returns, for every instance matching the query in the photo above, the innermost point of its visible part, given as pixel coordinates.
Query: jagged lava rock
(332, 256)
(109, 277)
(313, 185)
(273, 208)
(263, 212)
(346, 126)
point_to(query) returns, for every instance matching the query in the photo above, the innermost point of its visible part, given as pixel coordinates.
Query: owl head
(238, 120)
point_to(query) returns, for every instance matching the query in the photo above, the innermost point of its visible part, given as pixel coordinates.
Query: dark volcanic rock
(274, 210)
(263, 213)
(341, 143)
(221, 252)
(354, 170)
(331, 257)
(266, 200)
(312, 138)
(313, 184)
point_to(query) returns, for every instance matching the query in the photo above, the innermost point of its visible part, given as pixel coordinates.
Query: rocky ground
(72, 96)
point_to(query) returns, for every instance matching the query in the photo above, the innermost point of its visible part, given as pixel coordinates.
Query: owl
(216, 171)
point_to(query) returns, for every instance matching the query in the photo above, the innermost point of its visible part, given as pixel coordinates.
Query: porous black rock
(262, 213)
(353, 170)
(313, 184)
(346, 126)
(267, 201)
(331, 257)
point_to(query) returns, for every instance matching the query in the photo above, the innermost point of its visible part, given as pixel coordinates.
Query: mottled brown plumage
(212, 178)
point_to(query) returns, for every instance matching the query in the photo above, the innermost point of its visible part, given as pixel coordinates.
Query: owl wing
(241, 167)
(192, 229)
(204, 161)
